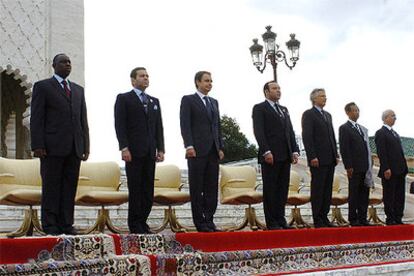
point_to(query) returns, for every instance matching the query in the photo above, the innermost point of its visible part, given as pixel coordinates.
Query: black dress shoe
(286, 226)
(72, 232)
(366, 223)
(390, 222)
(274, 228)
(204, 229)
(355, 223)
(329, 224)
(137, 229)
(146, 229)
(215, 230)
(52, 233)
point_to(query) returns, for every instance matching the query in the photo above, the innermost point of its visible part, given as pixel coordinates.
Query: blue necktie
(144, 100)
(209, 107)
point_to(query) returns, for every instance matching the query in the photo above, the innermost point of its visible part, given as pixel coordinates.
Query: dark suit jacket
(197, 129)
(141, 132)
(353, 148)
(273, 132)
(390, 153)
(58, 122)
(319, 137)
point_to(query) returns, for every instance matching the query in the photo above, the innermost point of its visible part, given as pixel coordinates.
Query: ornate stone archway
(15, 98)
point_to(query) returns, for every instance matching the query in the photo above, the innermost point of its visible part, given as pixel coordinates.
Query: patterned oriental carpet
(223, 253)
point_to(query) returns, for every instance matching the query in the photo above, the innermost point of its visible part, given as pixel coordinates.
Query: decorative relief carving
(24, 31)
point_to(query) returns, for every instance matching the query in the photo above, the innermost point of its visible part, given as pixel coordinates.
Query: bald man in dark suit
(393, 169)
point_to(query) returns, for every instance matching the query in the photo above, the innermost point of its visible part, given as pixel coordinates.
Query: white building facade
(32, 32)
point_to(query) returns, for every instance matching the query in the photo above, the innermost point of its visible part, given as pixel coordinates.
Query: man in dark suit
(393, 169)
(277, 150)
(355, 157)
(201, 132)
(60, 138)
(138, 125)
(321, 151)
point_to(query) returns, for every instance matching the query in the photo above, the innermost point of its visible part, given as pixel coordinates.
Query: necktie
(66, 88)
(358, 128)
(324, 115)
(208, 107)
(394, 133)
(279, 110)
(144, 100)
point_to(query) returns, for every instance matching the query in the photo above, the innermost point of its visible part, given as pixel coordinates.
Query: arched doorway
(15, 96)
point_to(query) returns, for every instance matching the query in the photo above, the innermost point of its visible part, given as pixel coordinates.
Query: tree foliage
(236, 145)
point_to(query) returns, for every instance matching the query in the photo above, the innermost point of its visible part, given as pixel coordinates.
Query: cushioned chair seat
(339, 199)
(244, 197)
(99, 198)
(20, 197)
(375, 199)
(297, 199)
(171, 197)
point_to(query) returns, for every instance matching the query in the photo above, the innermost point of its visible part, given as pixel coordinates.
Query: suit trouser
(358, 198)
(321, 192)
(394, 197)
(275, 191)
(59, 183)
(203, 179)
(140, 176)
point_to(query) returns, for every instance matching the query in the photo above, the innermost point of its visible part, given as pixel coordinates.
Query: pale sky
(359, 51)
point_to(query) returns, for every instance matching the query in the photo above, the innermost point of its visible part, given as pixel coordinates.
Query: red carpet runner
(276, 251)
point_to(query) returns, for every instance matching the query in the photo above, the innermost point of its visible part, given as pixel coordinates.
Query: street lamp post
(273, 55)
